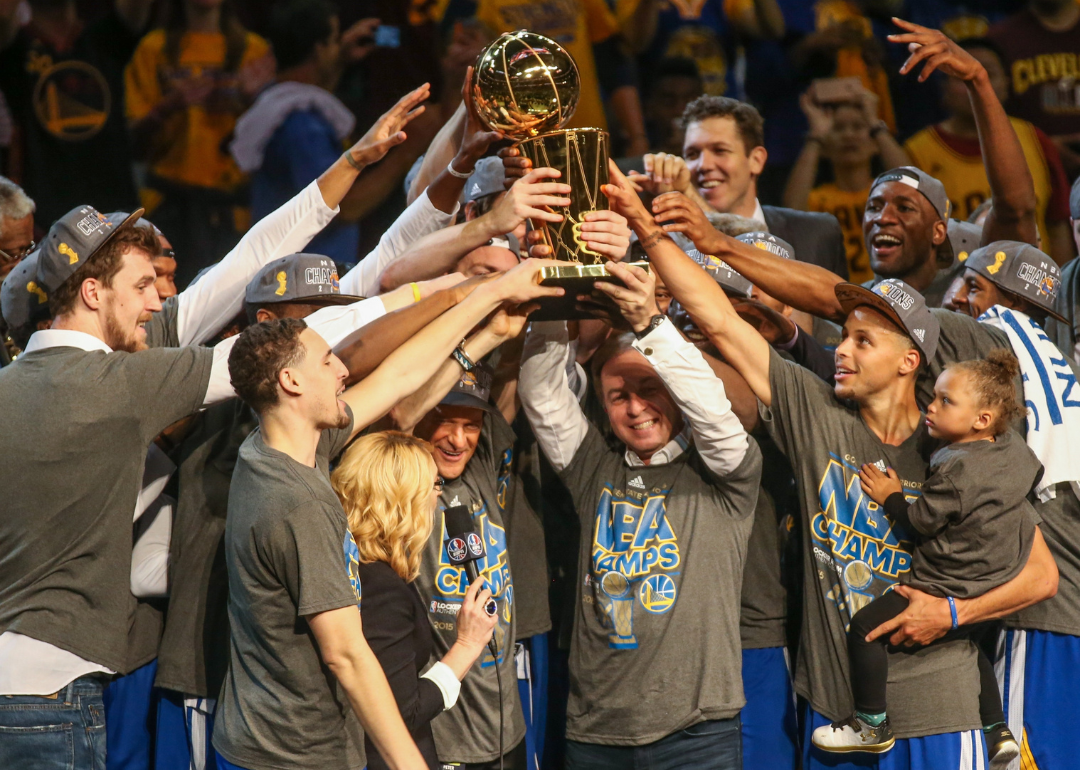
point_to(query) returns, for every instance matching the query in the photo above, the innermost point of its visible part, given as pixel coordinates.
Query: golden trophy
(526, 86)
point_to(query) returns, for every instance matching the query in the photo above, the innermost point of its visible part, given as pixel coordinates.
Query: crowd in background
(144, 101)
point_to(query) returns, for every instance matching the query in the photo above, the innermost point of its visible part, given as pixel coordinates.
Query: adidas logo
(636, 482)
(881, 466)
(455, 501)
(920, 334)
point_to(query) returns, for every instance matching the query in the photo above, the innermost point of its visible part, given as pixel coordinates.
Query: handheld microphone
(465, 547)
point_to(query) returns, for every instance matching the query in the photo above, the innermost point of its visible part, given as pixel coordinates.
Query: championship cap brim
(455, 398)
(851, 296)
(128, 221)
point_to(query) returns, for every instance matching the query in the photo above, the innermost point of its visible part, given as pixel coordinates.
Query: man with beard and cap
(853, 553)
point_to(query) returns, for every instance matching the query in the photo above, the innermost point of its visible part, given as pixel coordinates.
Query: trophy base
(575, 278)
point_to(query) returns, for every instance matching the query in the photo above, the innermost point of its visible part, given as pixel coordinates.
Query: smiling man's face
(454, 432)
(721, 167)
(642, 413)
(902, 230)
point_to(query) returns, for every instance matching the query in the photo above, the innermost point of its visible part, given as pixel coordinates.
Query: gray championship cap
(1020, 269)
(768, 242)
(901, 304)
(931, 188)
(473, 389)
(73, 239)
(310, 278)
(486, 179)
(1074, 200)
(730, 280)
(963, 238)
(21, 298)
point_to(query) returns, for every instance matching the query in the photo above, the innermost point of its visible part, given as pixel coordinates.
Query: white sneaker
(853, 734)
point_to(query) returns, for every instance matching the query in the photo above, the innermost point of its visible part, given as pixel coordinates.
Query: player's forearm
(436, 253)
(1037, 582)
(369, 693)
(1011, 185)
(439, 153)
(801, 285)
(550, 405)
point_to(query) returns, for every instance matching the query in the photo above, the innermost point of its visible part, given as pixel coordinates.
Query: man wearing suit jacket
(724, 155)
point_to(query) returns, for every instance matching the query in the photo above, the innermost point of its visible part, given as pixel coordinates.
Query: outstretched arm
(414, 362)
(803, 286)
(1011, 186)
(742, 347)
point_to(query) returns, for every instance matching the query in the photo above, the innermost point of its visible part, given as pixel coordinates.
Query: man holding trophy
(655, 677)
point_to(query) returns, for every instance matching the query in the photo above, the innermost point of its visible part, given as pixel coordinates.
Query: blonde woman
(389, 487)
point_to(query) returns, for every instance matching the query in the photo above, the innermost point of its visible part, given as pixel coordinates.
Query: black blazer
(816, 237)
(396, 627)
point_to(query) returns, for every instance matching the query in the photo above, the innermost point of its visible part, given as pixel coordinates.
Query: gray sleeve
(939, 505)
(163, 384)
(162, 330)
(582, 470)
(307, 554)
(800, 402)
(741, 486)
(333, 441)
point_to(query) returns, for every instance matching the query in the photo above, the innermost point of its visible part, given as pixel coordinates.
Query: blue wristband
(952, 611)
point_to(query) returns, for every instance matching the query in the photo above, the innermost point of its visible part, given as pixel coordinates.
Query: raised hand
(359, 40)
(526, 199)
(636, 299)
(515, 165)
(878, 485)
(522, 283)
(664, 172)
(477, 139)
(387, 131)
(937, 51)
(818, 118)
(678, 214)
(624, 199)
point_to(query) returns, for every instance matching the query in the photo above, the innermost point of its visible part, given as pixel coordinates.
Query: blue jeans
(65, 731)
(713, 745)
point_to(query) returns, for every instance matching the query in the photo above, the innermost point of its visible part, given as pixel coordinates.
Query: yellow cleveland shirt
(957, 162)
(848, 208)
(573, 24)
(188, 149)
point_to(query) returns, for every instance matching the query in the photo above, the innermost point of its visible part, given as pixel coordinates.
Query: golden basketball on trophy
(527, 86)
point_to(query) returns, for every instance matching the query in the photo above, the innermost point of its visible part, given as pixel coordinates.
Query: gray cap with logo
(901, 304)
(21, 298)
(486, 179)
(963, 238)
(931, 188)
(310, 278)
(1020, 269)
(73, 239)
(473, 389)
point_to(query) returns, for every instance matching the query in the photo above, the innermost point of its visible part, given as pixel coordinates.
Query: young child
(975, 528)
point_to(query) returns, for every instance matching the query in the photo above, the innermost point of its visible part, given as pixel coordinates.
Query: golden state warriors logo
(72, 100)
(635, 554)
(855, 541)
(352, 563)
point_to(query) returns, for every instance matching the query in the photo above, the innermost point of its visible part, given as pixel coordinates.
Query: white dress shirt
(560, 425)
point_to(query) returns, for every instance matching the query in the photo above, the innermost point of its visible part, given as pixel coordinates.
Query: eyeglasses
(440, 482)
(17, 255)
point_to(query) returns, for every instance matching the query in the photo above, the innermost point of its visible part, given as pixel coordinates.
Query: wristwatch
(655, 321)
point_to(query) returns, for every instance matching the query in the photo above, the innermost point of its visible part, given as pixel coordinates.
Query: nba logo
(456, 549)
(476, 545)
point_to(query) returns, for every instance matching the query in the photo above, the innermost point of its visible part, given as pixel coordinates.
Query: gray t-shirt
(974, 519)
(853, 553)
(289, 554)
(162, 330)
(194, 650)
(76, 427)
(469, 732)
(963, 338)
(763, 617)
(656, 644)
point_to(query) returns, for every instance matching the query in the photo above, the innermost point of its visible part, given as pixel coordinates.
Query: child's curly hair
(993, 379)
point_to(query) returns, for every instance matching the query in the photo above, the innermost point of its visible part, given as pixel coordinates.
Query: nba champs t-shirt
(853, 552)
(656, 645)
(469, 732)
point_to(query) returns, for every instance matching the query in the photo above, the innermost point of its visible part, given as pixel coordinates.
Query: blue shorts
(130, 718)
(1039, 676)
(184, 728)
(770, 733)
(532, 664)
(948, 751)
